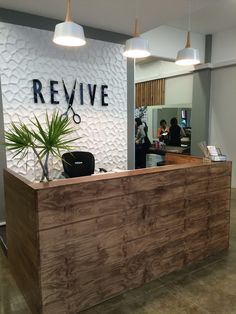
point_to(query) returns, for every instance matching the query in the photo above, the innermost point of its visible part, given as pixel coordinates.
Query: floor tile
(212, 288)
(11, 300)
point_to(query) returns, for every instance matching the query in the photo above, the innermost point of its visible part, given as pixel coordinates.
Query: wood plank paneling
(98, 239)
(22, 238)
(179, 159)
(150, 93)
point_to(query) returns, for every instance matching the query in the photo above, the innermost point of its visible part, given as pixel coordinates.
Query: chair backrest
(78, 164)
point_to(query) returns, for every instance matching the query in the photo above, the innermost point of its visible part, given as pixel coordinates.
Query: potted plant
(42, 140)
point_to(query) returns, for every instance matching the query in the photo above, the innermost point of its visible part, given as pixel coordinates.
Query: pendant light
(136, 47)
(188, 55)
(69, 33)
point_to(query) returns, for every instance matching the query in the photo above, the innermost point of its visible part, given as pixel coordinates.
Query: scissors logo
(70, 99)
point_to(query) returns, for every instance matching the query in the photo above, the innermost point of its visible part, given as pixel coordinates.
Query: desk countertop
(174, 162)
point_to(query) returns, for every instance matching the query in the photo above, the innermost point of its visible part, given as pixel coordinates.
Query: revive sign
(91, 89)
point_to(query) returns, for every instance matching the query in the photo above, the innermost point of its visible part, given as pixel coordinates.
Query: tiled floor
(209, 287)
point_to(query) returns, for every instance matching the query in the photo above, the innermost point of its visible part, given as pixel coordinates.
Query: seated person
(175, 133)
(163, 132)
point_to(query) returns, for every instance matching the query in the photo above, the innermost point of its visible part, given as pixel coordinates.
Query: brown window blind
(150, 93)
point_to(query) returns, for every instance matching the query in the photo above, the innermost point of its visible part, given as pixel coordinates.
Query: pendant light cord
(188, 43)
(136, 26)
(189, 15)
(68, 12)
(136, 29)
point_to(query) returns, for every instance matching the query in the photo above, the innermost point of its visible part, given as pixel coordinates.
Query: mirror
(182, 114)
(186, 97)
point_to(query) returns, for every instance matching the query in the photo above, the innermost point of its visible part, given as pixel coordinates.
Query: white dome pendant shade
(188, 55)
(69, 33)
(136, 47)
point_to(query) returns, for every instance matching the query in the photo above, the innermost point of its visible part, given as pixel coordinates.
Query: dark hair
(173, 121)
(162, 121)
(138, 121)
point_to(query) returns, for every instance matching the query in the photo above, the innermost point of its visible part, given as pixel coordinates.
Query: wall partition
(35, 73)
(30, 61)
(2, 161)
(223, 113)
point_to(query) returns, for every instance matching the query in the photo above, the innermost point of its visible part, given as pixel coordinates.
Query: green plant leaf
(44, 139)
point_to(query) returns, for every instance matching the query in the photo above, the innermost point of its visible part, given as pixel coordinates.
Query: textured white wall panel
(27, 54)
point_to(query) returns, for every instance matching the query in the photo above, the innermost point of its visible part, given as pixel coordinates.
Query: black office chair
(78, 164)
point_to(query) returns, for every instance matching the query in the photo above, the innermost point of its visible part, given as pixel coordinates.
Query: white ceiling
(208, 16)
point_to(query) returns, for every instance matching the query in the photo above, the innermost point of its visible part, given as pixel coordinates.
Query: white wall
(224, 46)
(179, 90)
(166, 41)
(223, 94)
(158, 69)
(223, 112)
(27, 54)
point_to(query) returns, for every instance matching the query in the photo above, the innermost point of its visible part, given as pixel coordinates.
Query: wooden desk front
(74, 243)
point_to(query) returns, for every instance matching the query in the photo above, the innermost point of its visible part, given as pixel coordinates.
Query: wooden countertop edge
(107, 176)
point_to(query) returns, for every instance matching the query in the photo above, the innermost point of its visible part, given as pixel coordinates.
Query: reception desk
(74, 243)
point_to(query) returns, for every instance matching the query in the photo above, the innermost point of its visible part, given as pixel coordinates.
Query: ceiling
(208, 16)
